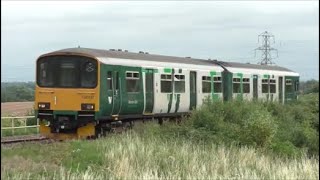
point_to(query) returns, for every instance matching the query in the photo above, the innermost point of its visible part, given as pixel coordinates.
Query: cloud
(226, 30)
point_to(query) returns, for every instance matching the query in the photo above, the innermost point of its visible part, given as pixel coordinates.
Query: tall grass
(132, 156)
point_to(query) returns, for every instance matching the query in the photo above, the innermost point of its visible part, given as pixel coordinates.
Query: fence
(13, 127)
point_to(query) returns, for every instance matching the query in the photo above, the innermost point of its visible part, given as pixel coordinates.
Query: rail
(13, 127)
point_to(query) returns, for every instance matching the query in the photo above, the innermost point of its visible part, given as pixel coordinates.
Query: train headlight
(43, 105)
(87, 106)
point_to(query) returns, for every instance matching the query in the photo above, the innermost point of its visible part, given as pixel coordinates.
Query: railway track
(22, 139)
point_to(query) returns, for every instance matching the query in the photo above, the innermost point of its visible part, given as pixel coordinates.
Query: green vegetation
(19, 123)
(289, 130)
(132, 156)
(17, 91)
(311, 86)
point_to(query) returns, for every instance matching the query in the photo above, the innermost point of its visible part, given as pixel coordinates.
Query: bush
(286, 130)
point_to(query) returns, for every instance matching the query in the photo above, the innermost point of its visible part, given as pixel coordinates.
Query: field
(12, 109)
(16, 108)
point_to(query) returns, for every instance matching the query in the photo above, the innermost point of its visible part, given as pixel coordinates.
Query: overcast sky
(223, 30)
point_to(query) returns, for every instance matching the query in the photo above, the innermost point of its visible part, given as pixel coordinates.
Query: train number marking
(87, 97)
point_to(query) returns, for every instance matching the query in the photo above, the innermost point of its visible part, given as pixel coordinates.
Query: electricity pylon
(266, 48)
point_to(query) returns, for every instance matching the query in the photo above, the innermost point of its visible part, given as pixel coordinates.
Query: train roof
(98, 53)
(253, 66)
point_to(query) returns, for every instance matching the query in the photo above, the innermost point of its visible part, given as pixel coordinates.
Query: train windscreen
(67, 72)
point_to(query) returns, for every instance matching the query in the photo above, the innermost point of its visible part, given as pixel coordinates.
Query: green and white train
(79, 90)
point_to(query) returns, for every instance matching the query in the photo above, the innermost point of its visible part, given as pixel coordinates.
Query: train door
(149, 88)
(193, 90)
(116, 93)
(280, 89)
(255, 87)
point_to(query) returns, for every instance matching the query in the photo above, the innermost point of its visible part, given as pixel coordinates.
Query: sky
(222, 30)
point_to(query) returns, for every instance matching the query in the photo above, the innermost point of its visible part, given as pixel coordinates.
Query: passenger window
(109, 80)
(265, 88)
(273, 86)
(236, 85)
(217, 84)
(179, 86)
(133, 80)
(117, 80)
(166, 83)
(206, 84)
(246, 85)
(288, 85)
(297, 86)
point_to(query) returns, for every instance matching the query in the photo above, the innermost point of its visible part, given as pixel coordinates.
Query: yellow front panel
(66, 98)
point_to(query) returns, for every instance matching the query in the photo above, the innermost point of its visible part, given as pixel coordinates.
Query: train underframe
(64, 127)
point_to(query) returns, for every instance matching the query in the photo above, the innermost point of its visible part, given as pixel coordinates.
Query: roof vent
(126, 51)
(146, 53)
(188, 57)
(119, 49)
(140, 51)
(112, 49)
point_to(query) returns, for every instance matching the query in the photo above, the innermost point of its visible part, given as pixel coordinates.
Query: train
(85, 92)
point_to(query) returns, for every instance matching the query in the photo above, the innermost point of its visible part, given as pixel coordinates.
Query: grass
(18, 123)
(231, 140)
(132, 156)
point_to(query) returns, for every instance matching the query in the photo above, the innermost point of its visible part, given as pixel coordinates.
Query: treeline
(24, 91)
(17, 91)
(311, 86)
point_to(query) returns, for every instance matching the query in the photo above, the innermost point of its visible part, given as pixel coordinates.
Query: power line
(266, 48)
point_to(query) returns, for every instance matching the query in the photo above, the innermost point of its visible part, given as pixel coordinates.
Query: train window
(133, 80)
(289, 85)
(132, 75)
(136, 75)
(265, 86)
(117, 81)
(272, 85)
(217, 84)
(109, 80)
(45, 75)
(246, 85)
(179, 86)
(236, 85)
(166, 83)
(68, 74)
(88, 74)
(68, 71)
(206, 84)
(246, 80)
(132, 85)
(296, 85)
(288, 82)
(165, 77)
